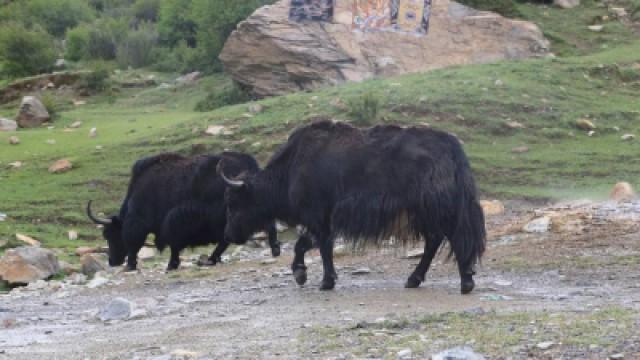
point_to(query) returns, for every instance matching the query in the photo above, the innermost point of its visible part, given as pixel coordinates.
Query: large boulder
(271, 55)
(32, 113)
(27, 264)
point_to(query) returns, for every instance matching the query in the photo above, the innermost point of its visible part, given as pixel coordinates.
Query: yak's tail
(468, 241)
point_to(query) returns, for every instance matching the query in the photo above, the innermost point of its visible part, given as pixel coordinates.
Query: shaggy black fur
(181, 201)
(365, 185)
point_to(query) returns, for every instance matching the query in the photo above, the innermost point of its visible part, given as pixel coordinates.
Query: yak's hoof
(466, 286)
(301, 276)
(275, 251)
(328, 284)
(412, 283)
(208, 262)
(130, 268)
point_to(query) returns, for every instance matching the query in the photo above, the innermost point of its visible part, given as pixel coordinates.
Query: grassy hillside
(475, 102)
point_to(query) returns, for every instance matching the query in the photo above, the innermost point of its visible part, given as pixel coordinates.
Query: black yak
(181, 201)
(364, 185)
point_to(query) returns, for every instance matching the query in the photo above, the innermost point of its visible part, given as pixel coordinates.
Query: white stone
(539, 225)
(596, 28)
(405, 354)
(546, 345)
(97, 281)
(8, 125)
(93, 133)
(566, 4)
(458, 353)
(117, 309)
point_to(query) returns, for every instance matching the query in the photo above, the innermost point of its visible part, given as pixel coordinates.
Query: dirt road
(548, 295)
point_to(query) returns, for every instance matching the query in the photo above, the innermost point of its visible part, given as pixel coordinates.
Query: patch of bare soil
(571, 292)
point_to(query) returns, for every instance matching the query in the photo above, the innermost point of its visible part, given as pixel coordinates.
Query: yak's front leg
(133, 234)
(274, 244)
(326, 251)
(298, 267)
(216, 255)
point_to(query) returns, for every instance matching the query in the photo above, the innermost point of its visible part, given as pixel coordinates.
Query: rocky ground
(568, 290)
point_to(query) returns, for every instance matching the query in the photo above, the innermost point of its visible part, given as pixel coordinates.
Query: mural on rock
(318, 10)
(411, 15)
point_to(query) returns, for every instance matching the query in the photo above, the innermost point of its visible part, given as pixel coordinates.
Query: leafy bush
(229, 95)
(98, 79)
(136, 48)
(55, 16)
(77, 44)
(104, 36)
(25, 52)
(180, 59)
(364, 110)
(175, 23)
(51, 106)
(146, 10)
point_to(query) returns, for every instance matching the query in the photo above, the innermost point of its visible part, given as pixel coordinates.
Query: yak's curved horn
(96, 219)
(230, 182)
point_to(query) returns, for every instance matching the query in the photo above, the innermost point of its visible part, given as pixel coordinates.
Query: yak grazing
(181, 201)
(364, 185)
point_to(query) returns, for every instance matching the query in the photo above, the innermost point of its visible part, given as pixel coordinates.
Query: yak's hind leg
(216, 255)
(274, 244)
(326, 251)
(133, 234)
(431, 246)
(298, 267)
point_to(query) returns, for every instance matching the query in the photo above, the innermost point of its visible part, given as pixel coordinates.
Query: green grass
(491, 333)
(545, 95)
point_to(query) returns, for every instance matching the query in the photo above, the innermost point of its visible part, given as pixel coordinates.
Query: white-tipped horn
(230, 182)
(95, 219)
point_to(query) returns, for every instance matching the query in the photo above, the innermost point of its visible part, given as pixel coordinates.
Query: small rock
(91, 264)
(117, 309)
(458, 353)
(79, 102)
(51, 141)
(75, 125)
(566, 4)
(503, 283)
(67, 268)
(73, 235)
(184, 355)
(618, 12)
(415, 254)
(77, 279)
(499, 83)
(492, 207)
(591, 133)
(3, 216)
(14, 140)
(405, 354)
(27, 239)
(596, 28)
(520, 150)
(83, 250)
(339, 104)
(514, 125)
(256, 108)
(93, 133)
(361, 271)
(15, 164)
(189, 78)
(8, 125)
(617, 356)
(622, 191)
(268, 261)
(97, 282)
(215, 130)
(585, 124)
(546, 345)
(627, 137)
(26, 264)
(539, 225)
(146, 253)
(60, 166)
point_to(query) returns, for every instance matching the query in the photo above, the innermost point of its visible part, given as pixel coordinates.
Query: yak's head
(112, 231)
(246, 214)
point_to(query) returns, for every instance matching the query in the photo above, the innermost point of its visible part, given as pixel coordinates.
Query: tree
(25, 51)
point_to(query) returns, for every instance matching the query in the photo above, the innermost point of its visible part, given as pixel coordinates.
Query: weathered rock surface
(458, 353)
(20, 87)
(27, 264)
(91, 264)
(8, 125)
(272, 56)
(117, 309)
(32, 113)
(60, 166)
(189, 78)
(566, 4)
(622, 191)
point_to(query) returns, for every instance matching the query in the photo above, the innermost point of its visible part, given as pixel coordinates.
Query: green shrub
(175, 23)
(98, 79)
(146, 10)
(229, 95)
(364, 110)
(55, 16)
(136, 49)
(104, 36)
(77, 44)
(51, 106)
(24, 51)
(180, 59)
